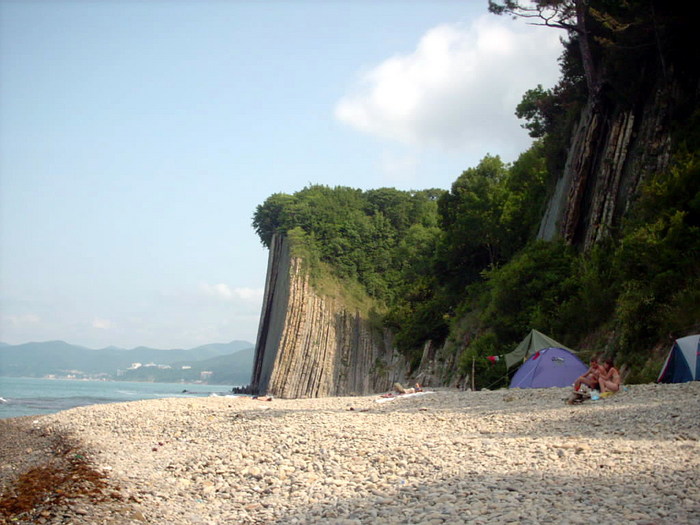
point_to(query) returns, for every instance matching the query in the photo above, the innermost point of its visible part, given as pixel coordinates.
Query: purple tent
(549, 367)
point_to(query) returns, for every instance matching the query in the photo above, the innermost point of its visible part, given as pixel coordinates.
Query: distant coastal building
(135, 366)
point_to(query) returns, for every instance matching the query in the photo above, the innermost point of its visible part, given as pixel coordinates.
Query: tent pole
(473, 360)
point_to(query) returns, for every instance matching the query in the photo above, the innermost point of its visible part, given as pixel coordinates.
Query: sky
(138, 137)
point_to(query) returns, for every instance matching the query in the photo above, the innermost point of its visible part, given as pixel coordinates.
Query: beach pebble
(521, 456)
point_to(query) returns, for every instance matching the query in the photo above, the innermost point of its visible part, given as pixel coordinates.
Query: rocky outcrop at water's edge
(310, 345)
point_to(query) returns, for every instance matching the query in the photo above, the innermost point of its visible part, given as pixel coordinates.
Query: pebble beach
(440, 457)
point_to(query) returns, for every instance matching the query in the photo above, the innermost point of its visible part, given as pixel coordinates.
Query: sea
(21, 396)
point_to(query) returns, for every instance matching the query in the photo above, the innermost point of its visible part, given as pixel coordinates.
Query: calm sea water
(30, 397)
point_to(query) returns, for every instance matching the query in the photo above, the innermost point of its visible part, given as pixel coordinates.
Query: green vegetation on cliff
(364, 236)
(464, 269)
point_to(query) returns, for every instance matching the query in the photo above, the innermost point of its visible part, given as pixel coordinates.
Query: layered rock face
(312, 346)
(612, 151)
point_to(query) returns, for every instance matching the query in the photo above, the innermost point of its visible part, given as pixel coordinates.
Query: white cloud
(458, 90)
(17, 320)
(102, 324)
(227, 293)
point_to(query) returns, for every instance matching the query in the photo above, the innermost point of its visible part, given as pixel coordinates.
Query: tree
(357, 233)
(470, 216)
(569, 15)
(524, 196)
(532, 109)
(268, 218)
(528, 291)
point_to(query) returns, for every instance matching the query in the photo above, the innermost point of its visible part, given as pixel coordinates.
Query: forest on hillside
(466, 269)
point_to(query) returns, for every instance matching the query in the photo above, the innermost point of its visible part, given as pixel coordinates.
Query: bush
(487, 374)
(530, 290)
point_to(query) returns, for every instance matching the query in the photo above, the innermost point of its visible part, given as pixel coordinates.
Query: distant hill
(230, 369)
(63, 359)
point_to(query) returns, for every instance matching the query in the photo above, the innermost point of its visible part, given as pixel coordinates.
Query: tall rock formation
(310, 345)
(641, 74)
(611, 152)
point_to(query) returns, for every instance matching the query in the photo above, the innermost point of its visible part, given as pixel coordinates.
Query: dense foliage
(366, 236)
(463, 269)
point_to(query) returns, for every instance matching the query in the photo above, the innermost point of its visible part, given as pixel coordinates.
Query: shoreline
(27, 397)
(520, 456)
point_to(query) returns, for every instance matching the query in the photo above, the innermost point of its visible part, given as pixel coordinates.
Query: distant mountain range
(218, 363)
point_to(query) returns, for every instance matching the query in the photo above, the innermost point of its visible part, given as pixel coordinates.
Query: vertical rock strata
(311, 345)
(612, 151)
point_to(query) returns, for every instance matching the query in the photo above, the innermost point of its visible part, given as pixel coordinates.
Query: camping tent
(533, 342)
(682, 363)
(549, 367)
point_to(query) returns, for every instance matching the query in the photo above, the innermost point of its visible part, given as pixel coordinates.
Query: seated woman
(590, 378)
(609, 378)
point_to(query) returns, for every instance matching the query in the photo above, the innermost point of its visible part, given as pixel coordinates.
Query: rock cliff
(313, 345)
(612, 151)
(310, 345)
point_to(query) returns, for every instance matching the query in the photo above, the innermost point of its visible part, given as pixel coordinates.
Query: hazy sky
(137, 138)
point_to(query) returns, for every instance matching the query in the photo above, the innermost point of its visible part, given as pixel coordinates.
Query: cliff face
(313, 346)
(612, 151)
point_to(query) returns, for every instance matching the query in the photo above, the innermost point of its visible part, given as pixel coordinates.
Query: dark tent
(533, 342)
(547, 368)
(682, 363)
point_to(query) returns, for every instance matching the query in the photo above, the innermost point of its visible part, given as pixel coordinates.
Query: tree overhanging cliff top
(359, 233)
(462, 267)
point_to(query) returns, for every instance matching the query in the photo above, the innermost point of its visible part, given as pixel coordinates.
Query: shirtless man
(590, 378)
(609, 378)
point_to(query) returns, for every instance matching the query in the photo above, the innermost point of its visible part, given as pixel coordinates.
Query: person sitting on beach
(609, 378)
(401, 390)
(590, 378)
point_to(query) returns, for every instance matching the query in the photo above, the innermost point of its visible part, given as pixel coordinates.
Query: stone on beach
(518, 456)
